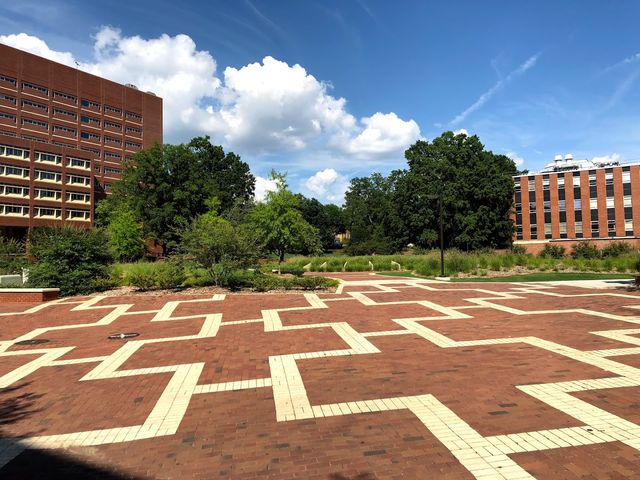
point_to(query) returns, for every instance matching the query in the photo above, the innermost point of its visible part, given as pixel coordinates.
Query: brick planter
(28, 295)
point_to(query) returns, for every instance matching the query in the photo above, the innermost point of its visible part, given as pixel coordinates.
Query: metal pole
(441, 241)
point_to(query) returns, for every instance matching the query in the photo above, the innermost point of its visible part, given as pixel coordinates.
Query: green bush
(616, 249)
(157, 275)
(585, 250)
(74, 260)
(12, 256)
(552, 251)
(518, 249)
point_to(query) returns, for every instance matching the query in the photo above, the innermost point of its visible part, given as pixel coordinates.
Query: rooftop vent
(151, 93)
(557, 158)
(131, 85)
(568, 157)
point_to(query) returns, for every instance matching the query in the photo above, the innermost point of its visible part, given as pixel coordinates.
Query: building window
(134, 117)
(45, 194)
(89, 104)
(135, 146)
(115, 126)
(63, 129)
(577, 204)
(576, 180)
(113, 156)
(534, 231)
(47, 212)
(14, 191)
(115, 171)
(563, 230)
(547, 230)
(628, 227)
(8, 98)
(626, 201)
(64, 97)
(96, 168)
(78, 197)
(11, 171)
(138, 131)
(64, 113)
(9, 80)
(82, 215)
(592, 178)
(578, 229)
(77, 180)
(46, 176)
(14, 210)
(112, 140)
(626, 177)
(608, 178)
(593, 203)
(594, 229)
(90, 120)
(90, 136)
(92, 150)
(14, 152)
(112, 111)
(48, 158)
(34, 105)
(547, 206)
(545, 184)
(562, 205)
(37, 123)
(35, 88)
(610, 202)
(78, 163)
(8, 116)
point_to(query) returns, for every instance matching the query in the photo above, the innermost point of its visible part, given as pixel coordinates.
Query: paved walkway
(389, 377)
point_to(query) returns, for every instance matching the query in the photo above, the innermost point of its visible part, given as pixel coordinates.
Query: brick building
(572, 200)
(63, 137)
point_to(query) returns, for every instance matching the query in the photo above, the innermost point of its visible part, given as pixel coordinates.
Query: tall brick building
(572, 200)
(63, 137)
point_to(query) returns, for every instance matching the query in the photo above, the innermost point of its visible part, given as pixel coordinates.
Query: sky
(328, 90)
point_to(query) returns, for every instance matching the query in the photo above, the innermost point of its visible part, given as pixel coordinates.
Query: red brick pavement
(327, 386)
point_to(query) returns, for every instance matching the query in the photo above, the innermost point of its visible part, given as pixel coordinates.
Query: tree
(280, 224)
(371, 214)
(328, 219)
(167, 186)
(474, 185)
(126, 242)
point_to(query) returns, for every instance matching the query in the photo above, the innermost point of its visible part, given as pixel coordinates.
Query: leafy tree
(212, 239)
(328, 219)
(74, 260)
(167, 186)
(371, 214)
(474, 186)
(126, 242)
(280, 224)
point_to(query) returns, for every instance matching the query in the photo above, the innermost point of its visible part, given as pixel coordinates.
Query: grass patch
(547, 277)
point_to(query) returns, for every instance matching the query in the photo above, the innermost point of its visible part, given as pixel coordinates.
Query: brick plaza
(389, 377)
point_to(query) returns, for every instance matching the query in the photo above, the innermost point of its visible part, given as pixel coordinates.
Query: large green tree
(371, 214)
(474, 185)
(167, 186)
(328, 219)
(281, 226)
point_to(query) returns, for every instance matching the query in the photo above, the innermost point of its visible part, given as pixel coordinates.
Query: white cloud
(614, 157)
(517, 159)
(499, 85)
(37, 47)
(262, 108)
(264, 185)
(461, 131)
(328, 185)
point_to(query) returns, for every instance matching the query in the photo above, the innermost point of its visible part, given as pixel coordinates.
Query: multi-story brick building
(573, 200)
(63, 137)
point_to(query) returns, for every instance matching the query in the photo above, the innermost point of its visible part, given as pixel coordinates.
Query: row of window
(576, 180)
(43, 193)
(577, 204)
(44, 175)
(41, 90)
(7, 209)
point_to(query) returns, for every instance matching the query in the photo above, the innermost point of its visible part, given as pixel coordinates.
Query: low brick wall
(536, 246)
(28, 295)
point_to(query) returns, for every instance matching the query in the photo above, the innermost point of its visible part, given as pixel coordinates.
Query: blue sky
(328, 90)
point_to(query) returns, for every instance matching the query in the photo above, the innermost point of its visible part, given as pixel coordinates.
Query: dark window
(626, 189)
(628, 213)
(547, 217)
(594, 215)
(561, 194)
(593, 192)
(532, 196)
(532, 219)
(626, 169)
(576, 192)
(611, 213)
(518, 197)
(563, 216)
(609, 190)
(519, 219)
(546, 195)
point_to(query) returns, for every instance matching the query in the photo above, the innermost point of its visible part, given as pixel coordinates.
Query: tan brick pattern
(459, 381)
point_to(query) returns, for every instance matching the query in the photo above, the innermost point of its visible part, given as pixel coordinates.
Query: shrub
(12, 256)
(552, 251)
(74, 260)
(585, 250)
(157, 275)
(126, 242)
(616, 249)
(518, 249)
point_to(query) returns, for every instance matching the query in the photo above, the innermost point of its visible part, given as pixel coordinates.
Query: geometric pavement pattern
(386, 378)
